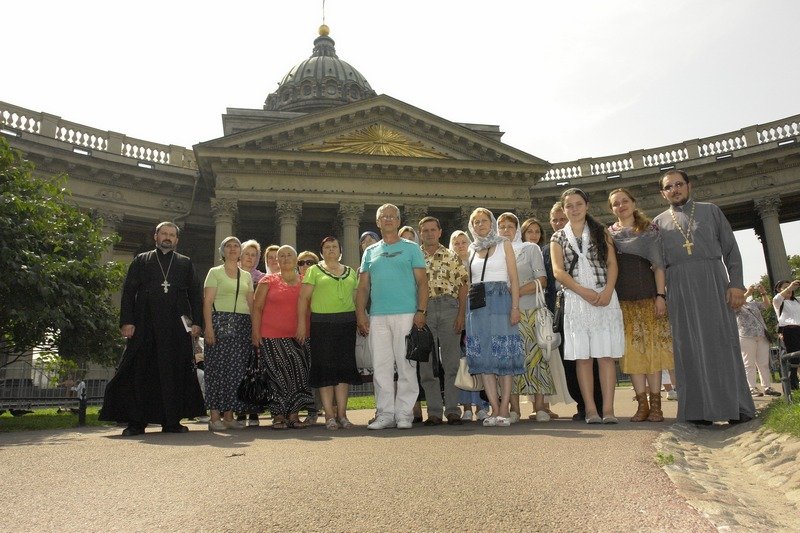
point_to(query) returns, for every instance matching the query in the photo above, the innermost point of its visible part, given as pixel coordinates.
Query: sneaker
(672, 395)
(483, 414)
(769, 391)
(542, 416)
(382, 422)
(490, 421)
(217, 425)
(344, 423)
(404, 424)
(755, 392)
(513, 417)
(466, 416)
(253, 422)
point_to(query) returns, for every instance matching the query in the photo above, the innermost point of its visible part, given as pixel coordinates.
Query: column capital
(525, 213)
(224, 208)
(288, 210)
(350, 213)
(412, 213)
(767, 205)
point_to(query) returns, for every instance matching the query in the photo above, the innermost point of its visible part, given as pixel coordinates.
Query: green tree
(769, 314)
(55, 293)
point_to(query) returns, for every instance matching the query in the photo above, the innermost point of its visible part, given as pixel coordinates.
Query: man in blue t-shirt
(393, 275)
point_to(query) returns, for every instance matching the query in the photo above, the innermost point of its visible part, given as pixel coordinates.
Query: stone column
(288, 213)
(224, 211)
(462, 219)
(112, 222)
(350, 215)
(768, 208)
(412, 213)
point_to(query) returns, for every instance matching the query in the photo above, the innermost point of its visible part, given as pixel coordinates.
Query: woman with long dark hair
(787, 309)
(585, 263)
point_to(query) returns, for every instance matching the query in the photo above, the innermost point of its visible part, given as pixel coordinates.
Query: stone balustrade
(717, 145)
(40, 123)
(24, 120)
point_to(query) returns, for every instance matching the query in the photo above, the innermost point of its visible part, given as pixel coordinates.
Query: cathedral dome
(320, 82)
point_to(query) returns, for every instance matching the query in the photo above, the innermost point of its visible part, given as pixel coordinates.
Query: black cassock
(156, 382)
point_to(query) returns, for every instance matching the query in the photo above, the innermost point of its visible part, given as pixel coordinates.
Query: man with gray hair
(393, 277)
(161, 310)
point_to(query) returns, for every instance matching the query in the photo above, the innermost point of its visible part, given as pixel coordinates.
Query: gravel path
(556, 476)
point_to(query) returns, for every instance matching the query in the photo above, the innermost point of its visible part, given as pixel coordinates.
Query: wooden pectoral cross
(166, 283)
(688, 245)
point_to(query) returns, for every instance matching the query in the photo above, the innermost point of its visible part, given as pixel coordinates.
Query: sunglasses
(307, 262)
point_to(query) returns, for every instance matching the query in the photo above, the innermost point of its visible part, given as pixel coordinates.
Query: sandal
(296, 424)
(331, 424)
(279, 423)
(344, 423)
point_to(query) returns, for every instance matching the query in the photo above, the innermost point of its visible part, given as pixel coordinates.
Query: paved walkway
(556, 476)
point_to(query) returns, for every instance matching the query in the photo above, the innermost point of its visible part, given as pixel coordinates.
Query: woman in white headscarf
(494, 347)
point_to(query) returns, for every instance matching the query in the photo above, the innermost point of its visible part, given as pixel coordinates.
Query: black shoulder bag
(477, 291)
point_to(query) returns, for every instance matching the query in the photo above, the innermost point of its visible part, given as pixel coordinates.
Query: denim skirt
(494, 346)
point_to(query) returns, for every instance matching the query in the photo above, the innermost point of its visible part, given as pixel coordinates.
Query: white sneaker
(382, 422)
(482, 415)
(513, 417)
(466, 416)
(404, 424)
(490, 421)
(672, 395)
(542, 416)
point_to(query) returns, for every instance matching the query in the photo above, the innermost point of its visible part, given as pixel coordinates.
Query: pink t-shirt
(279, 319)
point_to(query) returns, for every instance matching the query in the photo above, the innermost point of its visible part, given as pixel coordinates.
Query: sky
(563, 80)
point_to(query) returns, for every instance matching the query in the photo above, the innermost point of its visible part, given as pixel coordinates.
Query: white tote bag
(546, 338)
(465, 380)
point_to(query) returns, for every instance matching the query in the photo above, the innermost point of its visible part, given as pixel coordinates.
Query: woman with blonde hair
(641, 289)
(494, 347)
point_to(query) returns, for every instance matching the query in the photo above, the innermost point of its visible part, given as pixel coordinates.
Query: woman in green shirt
(329, 287)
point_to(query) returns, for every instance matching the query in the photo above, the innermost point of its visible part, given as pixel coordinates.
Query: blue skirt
(494, 346)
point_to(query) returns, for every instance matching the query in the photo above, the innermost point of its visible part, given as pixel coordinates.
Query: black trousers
(571, 375)
(791, 339)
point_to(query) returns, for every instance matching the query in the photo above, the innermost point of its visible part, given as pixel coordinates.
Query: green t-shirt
(226, 289)
(332, 294)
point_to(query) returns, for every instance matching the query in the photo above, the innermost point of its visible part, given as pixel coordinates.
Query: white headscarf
(491, 238)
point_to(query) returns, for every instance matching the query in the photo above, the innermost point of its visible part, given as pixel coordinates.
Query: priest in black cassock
(156, 382)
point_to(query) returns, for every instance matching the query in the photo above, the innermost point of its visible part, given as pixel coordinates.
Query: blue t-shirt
(393, 287)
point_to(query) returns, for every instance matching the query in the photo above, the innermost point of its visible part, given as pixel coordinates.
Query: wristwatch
(423, 311)
(662, 295)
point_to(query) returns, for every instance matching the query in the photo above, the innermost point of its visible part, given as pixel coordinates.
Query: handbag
(225, 326)
(477, 291)
(546, 338)
(558, 319)
(465, 380)
(419, 344)
(254, 387)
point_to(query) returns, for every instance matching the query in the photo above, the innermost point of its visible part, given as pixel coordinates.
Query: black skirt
(333, 350)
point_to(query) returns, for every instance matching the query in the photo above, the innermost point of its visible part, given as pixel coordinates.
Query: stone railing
(718, 145)
(19, 119)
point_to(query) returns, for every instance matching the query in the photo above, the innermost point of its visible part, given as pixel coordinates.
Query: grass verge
(782, 417)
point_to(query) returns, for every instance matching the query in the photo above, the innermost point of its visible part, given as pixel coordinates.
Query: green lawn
(782, 417)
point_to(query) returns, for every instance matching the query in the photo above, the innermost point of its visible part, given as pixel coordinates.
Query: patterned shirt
(750, 321)
(599, 270)
(446, 273)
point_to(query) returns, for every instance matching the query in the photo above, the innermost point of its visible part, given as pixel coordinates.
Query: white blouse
(791, 311)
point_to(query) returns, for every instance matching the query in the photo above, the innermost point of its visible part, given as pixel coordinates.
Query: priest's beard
(679, 203)
(166, 247)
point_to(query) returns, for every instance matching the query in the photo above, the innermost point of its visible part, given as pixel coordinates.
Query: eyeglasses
(677, 186)
(307, 262)
(389, 217)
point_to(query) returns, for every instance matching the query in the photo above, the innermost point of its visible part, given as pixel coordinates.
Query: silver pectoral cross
(688, 245)
(166, 284)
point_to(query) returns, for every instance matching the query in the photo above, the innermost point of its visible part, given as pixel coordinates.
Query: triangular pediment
(379, 126)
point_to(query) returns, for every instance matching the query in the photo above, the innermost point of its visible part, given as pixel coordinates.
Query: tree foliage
(55, 292)
(769, 314)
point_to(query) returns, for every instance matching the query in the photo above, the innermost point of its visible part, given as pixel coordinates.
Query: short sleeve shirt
(226, 289)
(332, 294)
(446, 273)
(393, 287)
(750, 321)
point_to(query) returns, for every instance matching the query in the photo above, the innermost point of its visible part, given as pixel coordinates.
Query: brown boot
(656, 415)
(643, 411)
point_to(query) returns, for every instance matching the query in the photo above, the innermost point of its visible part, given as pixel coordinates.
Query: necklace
(687, 235)
(165, 284)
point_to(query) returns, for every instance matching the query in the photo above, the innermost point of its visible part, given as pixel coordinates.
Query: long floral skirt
(226, 363)
(537, 378)
(648, 339)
